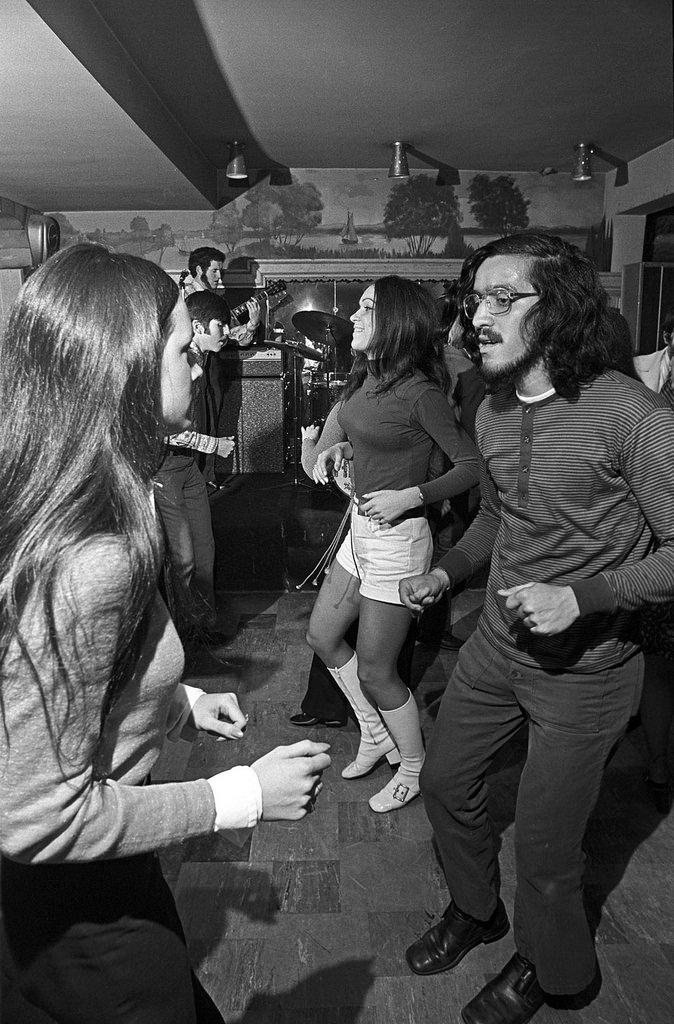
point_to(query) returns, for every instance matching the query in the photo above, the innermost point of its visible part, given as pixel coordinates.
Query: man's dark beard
(512, 373)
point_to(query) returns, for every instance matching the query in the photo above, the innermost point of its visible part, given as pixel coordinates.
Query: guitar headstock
(274, 288)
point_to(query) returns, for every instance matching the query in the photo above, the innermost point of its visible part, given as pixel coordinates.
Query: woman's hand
(329, 461)
(290, 778)
(311, 433)
(387, 506)
(219, 715)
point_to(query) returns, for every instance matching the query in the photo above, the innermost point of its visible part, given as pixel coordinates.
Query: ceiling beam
(81, 27)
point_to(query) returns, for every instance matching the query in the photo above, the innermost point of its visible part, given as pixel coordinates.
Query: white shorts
(381, 555)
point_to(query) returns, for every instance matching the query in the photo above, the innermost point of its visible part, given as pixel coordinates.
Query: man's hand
(219, 715)
(253, 307)
(418, 592)
(225, 446)
(544, 609)
(290, 778)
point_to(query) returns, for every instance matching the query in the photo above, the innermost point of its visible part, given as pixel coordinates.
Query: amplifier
(260, 361)
(253, 412)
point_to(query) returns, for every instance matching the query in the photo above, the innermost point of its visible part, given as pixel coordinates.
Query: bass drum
(321, 391)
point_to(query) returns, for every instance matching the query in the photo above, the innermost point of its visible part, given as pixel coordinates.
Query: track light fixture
(399, 168)
(236, 167)
(582, 170)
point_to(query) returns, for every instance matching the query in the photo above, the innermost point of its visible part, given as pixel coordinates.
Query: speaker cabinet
(252, 411)
(44, 237)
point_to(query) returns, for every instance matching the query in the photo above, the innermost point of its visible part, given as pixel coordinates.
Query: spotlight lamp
(399, 167)
(582, 169)
(236, 167)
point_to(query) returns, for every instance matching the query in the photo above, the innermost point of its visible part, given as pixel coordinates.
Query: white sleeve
(238, 799)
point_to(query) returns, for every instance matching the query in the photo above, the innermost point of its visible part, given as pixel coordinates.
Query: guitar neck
(243, 308)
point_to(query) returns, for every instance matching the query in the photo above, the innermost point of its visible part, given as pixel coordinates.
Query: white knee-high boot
(375, 739)
(403, 724)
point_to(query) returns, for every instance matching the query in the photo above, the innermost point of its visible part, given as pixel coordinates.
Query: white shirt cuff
(184, 699)
(238, 798)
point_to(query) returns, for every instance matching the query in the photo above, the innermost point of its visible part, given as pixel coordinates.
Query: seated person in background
(206, 266)
(180, 489)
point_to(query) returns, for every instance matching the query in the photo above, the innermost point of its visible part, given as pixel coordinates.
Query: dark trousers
(182, 502)
(100, 942)
(324, 699)
(574, 722)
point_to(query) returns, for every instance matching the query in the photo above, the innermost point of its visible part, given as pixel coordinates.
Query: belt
(174, 449)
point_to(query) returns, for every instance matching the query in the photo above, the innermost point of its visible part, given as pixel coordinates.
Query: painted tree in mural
(164, 239)
(262, 212)
(497, 204)
(140, 229)
(421, 212)
(302, 210)
(139, 226)
(283, 214)
(226, 227)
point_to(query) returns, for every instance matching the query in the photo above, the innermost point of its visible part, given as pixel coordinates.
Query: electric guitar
(266, 293)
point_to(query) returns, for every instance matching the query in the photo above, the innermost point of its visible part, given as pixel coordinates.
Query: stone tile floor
(308, 921)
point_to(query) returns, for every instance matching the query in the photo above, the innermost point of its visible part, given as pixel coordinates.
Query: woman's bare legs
(381, 634)
(336, 607)
(382, 629)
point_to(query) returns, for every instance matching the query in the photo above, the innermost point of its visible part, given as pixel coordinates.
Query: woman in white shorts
(394, 410)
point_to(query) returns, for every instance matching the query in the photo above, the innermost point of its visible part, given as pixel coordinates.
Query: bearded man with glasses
(577, 515)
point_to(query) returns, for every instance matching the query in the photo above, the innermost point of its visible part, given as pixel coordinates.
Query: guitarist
(206, 266)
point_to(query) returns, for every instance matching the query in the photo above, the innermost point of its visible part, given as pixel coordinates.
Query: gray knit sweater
(51, 808)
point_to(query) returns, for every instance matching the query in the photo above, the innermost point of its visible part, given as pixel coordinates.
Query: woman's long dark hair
(404, 341)
(80, 371)
(569, 327)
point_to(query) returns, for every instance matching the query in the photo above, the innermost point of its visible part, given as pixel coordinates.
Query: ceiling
(129, 104)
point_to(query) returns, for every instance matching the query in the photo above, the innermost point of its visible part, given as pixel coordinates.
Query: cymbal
(298, 349)
(323, 328)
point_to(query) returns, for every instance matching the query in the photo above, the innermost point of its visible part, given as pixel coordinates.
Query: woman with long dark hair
(95, 370)
(394, 410)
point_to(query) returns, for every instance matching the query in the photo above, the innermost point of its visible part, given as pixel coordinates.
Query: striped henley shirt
(580, 494)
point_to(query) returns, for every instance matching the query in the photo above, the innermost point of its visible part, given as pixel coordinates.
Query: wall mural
(347, 214)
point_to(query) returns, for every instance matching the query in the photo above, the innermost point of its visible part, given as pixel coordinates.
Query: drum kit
(315, 387)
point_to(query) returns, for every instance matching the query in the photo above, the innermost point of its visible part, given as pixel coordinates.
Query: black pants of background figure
(182, 501)
(574, 722)
(100, 942)
(448, 526)
(323, 698)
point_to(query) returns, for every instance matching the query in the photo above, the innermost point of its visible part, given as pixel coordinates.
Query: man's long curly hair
(569, 327)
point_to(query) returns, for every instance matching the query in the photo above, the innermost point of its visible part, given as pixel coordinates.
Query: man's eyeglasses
(499, 301)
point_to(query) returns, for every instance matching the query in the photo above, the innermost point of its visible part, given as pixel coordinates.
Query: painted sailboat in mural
(349, 236)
